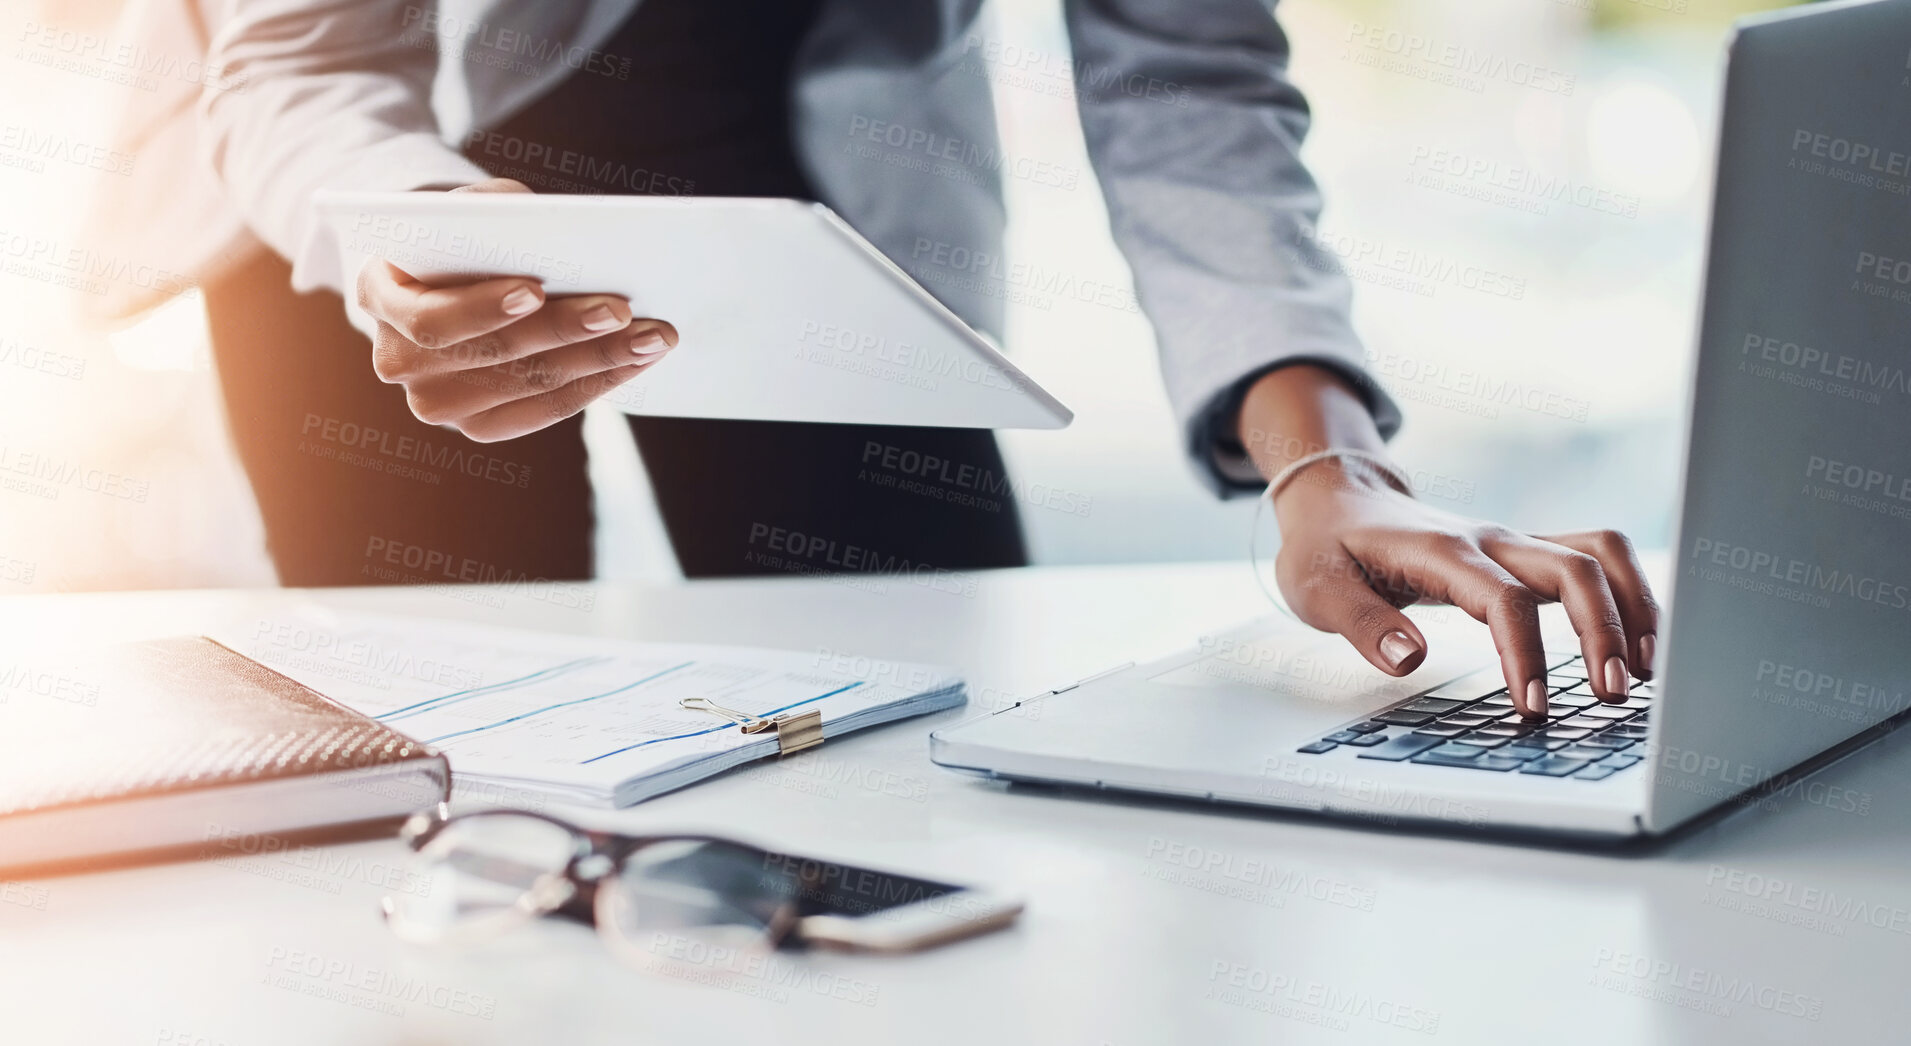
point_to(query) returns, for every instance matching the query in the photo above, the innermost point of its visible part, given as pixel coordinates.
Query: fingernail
(1616, 682)
(650, 341)
(520, 301)
(1396, 647)
(1536, 697)
(600, 318)
(1647, 647)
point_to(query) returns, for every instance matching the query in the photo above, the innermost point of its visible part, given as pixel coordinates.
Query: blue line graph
(726, 726)
(459, 695)
(560, 704)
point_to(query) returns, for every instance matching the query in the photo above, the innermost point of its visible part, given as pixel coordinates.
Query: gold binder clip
(795, 731)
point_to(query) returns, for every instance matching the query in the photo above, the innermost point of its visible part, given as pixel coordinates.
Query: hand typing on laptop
(494, 359)
(1356, 547)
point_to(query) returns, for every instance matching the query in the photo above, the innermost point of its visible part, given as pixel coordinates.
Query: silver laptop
(1788, 640)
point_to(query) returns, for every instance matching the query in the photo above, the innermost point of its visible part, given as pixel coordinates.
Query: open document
(587, 720)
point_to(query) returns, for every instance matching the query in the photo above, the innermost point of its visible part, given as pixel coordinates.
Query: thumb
(1330, 591)
(495, 185)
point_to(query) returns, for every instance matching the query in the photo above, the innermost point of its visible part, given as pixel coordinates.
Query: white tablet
(785, 313)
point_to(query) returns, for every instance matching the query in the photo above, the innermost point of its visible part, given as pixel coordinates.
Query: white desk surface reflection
(1148, 922)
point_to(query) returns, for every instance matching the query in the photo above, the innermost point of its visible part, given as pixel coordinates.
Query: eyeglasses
(655, 900)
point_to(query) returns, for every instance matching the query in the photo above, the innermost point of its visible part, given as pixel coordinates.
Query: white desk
(1471, 942)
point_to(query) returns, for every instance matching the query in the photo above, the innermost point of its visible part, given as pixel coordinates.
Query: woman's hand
(496, 360)
(1355, 549)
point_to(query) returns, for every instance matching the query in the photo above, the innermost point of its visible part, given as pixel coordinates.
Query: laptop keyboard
(1580, 736)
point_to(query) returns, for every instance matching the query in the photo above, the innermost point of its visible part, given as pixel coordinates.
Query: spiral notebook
(586, 720)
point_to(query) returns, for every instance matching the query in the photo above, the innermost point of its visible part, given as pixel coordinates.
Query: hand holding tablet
(495, 359)
(503, 312)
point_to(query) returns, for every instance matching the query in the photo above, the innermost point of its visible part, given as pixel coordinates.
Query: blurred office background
(1517, 187)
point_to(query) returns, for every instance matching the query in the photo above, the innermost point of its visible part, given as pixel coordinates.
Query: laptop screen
(1790, 628)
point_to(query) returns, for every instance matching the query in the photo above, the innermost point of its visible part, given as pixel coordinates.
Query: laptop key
(1402, 717)
(1609, 712)
(1480, 741)
(1367, 728)
(1317, 747)
(1586, 722)
(1554, 766)
(1363, 740)
(1485, 762)
(1566, 733)
(1342, 737)
(1582, 752)
(1538, 743)
(1525, 720)
(1512, 751)
(1466, 720)
(1435, 705)
(1442, 729)
(1595, 773)
(1401, 747)
(1619, 760)
(1506, 730)
(1457, 751)
(1614, 743)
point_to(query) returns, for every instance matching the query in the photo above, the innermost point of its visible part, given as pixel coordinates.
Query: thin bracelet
(1395, 477)
(1387, 468)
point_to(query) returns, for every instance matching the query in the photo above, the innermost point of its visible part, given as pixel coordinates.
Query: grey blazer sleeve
(1195, 131)
(336, 95)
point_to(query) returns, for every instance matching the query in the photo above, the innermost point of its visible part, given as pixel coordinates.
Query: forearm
(1303, 409)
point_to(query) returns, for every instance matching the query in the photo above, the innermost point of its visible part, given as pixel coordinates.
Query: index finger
(435, 317)
(1466, 577)
(1638, 609)
(1577, 581)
